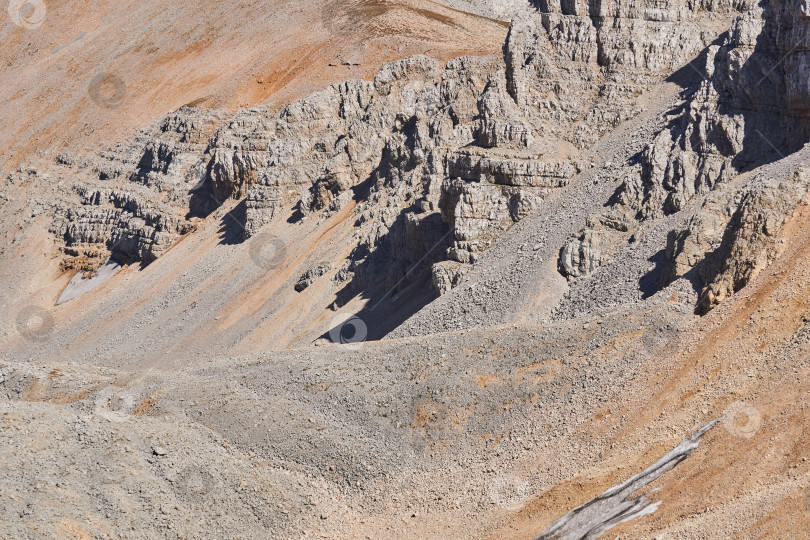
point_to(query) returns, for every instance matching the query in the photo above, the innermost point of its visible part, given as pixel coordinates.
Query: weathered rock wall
(440, 161)
(749, 241)
(749, 109)
(135, 201)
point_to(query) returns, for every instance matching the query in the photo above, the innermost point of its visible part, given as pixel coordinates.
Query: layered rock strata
(438, 161)
(133, 202)
(751, 108)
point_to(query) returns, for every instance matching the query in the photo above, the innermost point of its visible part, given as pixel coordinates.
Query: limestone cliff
(437, 161)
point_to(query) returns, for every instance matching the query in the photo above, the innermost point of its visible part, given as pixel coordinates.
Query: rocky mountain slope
(461, 298)
(84, 82)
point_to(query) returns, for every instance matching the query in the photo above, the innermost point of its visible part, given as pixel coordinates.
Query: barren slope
(160, 56)
(621, 202)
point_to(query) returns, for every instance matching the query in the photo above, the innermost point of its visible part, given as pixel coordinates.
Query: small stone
(159, 451)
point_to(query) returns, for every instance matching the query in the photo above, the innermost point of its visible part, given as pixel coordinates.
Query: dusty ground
(188, 399)
(489, 433)
(97, 78)
(486, 433)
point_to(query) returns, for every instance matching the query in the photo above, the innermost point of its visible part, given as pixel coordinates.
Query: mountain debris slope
(456, 292)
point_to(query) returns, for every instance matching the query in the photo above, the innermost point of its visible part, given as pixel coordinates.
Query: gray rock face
(687, 246)
(577, 68)
(750, 108)
(593, 245)
(733, 236)
(584, 254)
(501, 121)
(437, 162)
(514, 170)
(311, 276)
(128, 223)
(446, 275)
(399, 136)
(484, 139)
(749, 240)
(479, 212)
(135, 201)
(308, 155)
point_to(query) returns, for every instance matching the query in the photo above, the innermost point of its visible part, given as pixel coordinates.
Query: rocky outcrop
(306, 155)
(577, 69)
(502, 123)
(311, 276)
(129, 225)
(733, 236)
(749, 241)
(438, 161)
(395, 151)
(447, 275)
(593, 245)
(135, 201)
(751, 108)
(477, 145)
(509, 170)
(688, 246)
(479, 212)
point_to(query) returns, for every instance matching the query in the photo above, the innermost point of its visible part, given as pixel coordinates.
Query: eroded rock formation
(438, 161)
(749, 109)
(136, 200)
